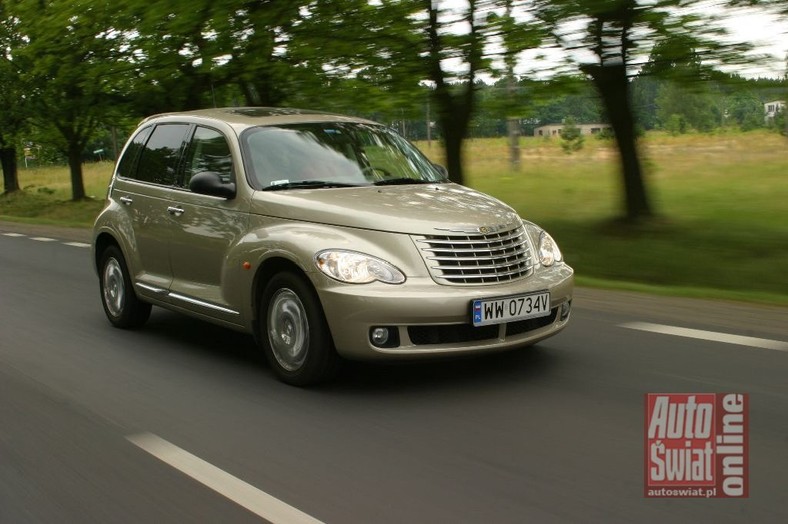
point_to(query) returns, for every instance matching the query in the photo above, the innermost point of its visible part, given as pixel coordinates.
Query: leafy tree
(12, 116)
(780, 122)
(619, 34)
(675, 124)
(214, 53)
(402, 43)
(455, 103)
(644, 89)
(70, 63)
(693, 106)
(571, 137)
(486, 21)
(569, 97)
(746, 110)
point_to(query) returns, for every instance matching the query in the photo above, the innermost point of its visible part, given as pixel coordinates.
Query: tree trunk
(512, 128)
(10, 175)
(613, 86)
(75, 166)
(453, 139)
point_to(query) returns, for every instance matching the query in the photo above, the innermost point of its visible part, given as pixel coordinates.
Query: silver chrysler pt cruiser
(324, 236)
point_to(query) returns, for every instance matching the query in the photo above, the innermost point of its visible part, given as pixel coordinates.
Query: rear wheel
(123, 308)
(294, 333)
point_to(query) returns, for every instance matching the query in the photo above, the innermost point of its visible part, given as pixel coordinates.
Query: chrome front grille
(477, 258)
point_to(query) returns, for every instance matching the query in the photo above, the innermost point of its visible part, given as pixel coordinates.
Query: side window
(208, 152)
(159, 161)
(128, 163)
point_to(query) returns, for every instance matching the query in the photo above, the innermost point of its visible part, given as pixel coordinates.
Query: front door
(205, 230)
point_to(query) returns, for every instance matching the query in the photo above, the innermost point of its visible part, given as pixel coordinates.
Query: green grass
(46, 196)
(722, 229)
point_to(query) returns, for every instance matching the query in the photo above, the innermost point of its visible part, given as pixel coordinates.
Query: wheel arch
(265, 272)
(315, 357)
(100, 244)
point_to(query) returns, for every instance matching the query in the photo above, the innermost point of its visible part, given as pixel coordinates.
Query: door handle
(175, 211)
(126, 200)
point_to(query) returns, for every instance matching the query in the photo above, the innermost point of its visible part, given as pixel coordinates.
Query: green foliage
(676, 125)
(645, 89)
(574, 98)
(571, 137)
(12, 112)
(606, 135)
(779, 123)
(70, 64)
(746, 110)
(694, 105)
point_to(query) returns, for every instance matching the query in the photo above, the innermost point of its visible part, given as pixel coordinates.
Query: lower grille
(456, 333)
(529, 324)
(450, 334)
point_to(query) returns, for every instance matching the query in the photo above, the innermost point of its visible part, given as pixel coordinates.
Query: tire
(294, 333)
(120, 302)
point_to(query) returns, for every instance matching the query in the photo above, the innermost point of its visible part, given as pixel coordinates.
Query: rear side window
(208, 151)
(159, 160)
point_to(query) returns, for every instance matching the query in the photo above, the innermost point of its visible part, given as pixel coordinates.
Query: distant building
(770, 109)
(585, 129)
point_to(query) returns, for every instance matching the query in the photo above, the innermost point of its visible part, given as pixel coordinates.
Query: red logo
(697, 445)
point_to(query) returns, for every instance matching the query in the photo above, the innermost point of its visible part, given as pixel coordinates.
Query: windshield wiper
(402, 181)
(307, 184)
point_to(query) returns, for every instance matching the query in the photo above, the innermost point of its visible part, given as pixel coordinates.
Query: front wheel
(123, 308)
(294, 333)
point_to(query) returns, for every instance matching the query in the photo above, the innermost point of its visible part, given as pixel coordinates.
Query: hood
(412, 209)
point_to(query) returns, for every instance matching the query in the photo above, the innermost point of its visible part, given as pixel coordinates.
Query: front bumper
(432, 319)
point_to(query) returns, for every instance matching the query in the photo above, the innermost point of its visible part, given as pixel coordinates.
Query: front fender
(272, 242)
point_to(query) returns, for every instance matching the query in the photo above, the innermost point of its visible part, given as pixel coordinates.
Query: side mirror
(210, 183)
(442, 170)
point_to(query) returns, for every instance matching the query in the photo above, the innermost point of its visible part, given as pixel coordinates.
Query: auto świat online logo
(697, 445)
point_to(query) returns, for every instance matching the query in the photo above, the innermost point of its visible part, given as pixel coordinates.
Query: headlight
(549, 253)
(357, 268)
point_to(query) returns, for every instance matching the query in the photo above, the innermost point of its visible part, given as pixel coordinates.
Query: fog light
(384, 336)
(380, 336)
(565, 307)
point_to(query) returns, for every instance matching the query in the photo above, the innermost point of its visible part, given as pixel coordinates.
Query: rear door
(144, 185)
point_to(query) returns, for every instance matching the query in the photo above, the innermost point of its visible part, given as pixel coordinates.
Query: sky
(769, 34)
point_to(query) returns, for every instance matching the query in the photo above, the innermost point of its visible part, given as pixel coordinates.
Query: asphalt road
(552, 433)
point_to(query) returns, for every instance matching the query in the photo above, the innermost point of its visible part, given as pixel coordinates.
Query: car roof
(242, 117)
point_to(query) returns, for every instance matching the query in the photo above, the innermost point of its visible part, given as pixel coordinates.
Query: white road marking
(47, 239)
(714, 336)
(235, 489)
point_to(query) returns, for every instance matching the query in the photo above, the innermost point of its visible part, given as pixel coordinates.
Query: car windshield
(331, 155)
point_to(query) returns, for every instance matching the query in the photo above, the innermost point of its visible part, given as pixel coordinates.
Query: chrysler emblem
(483, 230)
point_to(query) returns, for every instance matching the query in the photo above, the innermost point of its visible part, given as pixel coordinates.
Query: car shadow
(476, 371)
(199, 337)
(234, 349)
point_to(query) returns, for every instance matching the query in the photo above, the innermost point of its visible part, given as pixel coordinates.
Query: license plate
(505, 309)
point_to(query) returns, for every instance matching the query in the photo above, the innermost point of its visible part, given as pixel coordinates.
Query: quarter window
(208, 152)
(159, 161)
(127, 164)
